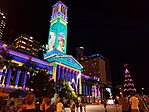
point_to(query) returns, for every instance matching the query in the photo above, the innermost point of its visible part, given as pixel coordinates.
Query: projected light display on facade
(58, 28)
(56, 62)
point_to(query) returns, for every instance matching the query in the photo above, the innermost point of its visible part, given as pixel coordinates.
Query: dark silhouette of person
(105, 105)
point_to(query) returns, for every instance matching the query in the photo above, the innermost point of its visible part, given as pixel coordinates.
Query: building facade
(64, 66)
(86, 82)
(56, 61)
(26, 44)
(16, 77)
(97, 68)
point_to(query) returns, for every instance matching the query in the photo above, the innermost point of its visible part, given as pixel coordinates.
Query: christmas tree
(129, 87)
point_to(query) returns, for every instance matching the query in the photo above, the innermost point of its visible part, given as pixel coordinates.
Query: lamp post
(121, 94)
(142, 91)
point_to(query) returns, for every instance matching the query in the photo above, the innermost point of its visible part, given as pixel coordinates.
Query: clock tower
(57, 40)
(63, 66)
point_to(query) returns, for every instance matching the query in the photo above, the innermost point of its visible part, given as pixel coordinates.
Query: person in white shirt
(134, 102)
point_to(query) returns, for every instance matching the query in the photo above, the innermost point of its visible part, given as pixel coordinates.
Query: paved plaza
(99, 108)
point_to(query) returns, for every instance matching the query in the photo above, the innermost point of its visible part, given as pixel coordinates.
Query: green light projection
(58, 35)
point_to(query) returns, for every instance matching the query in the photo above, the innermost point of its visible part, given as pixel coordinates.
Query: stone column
(59, 72)
(76, 81)
(72, 77)
(27, 78)
(1, 71)
(17, 78)
(83, 89)
(52, 11)
(54, 73)
(59, 7)
(87, 89)
(66, 12)
(8, 77)
(75, 77)
(66, 74)
(24, 80)
(4, 76)
(62, 75)
(98, 91)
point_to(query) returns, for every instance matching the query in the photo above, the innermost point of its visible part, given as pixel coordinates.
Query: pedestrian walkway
(68, 110)
(98, 108)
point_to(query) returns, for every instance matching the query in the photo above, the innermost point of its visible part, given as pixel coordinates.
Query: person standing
(125, 103)
(47, 106)
(72, 106)
(60, 106)
(77, 105)
(30, 103)
(134, 102)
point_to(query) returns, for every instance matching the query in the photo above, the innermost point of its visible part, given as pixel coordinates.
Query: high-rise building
(96, 66)
(26, 44)
(2, 23)
(80, 53)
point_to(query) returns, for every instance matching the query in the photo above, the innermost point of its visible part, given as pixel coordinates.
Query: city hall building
(56, 61)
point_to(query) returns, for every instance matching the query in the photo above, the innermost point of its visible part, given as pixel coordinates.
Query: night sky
(116, 29)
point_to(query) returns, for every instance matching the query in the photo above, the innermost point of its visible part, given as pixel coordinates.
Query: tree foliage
(67, 91)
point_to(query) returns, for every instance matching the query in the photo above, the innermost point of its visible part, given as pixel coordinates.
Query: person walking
(105, 105)
(145, 104)
(134, 102)
(141, 103)
(81, 106)
(116, 103)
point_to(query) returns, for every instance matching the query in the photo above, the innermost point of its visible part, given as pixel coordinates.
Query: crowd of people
(29, 104)
(134, 103)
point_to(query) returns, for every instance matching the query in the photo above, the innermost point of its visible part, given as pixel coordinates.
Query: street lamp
(120, 90)
(142, 90)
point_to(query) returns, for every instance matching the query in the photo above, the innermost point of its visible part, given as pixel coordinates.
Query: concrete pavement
(99, 108)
